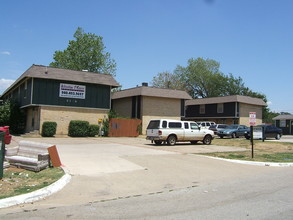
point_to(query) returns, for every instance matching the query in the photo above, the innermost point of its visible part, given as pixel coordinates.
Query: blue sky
(252, 39)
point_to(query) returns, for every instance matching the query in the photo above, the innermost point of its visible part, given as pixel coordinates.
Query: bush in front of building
(93, 130)
(105, 128)
(11, 115)
(49, 128)
(78, 128)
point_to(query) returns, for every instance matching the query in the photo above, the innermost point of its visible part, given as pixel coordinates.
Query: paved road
(140, 182)
(264, 196)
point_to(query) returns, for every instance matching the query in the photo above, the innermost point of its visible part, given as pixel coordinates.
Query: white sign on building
(72, 91)
(252, 118)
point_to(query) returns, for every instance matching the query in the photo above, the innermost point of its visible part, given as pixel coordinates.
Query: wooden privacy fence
(124, 127)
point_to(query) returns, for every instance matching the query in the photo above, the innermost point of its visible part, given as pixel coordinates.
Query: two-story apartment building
(233, 109)
(146, 103)
(61, 95)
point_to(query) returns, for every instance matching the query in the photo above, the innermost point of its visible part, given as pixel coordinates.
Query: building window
(220, 108)
(282, 123)
(202, 109)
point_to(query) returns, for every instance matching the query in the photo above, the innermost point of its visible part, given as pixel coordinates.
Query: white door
(190, 133)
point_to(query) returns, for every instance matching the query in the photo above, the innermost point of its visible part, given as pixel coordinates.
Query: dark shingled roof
(44, 72)
(151, 91)
(226, 99)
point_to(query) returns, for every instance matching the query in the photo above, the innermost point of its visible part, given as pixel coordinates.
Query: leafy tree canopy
(202, 78)
(86, 52)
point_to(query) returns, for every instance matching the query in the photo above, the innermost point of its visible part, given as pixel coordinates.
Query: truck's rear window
(154, 124)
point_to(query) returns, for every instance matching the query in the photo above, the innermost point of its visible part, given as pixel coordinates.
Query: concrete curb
(38, 194)
(269, 164)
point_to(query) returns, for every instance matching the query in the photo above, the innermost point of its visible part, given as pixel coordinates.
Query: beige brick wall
(63, 116)
(156, 108)
(123, 107)
(244, 110)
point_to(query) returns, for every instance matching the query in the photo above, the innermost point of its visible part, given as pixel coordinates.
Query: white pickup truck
(172, 131)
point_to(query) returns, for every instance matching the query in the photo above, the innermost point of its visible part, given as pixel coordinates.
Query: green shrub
(105, 127)
(49, 129)
(139, 129)
(78, 128)
(11, 115)
(93, 130)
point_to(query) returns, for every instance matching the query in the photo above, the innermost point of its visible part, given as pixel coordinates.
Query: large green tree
(86, 52)
(202, 78)
(168, 80)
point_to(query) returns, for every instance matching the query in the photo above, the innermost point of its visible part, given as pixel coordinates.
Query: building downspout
(32, 90)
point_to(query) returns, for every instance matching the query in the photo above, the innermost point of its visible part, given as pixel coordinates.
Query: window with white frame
(220, 108)
(202, 109)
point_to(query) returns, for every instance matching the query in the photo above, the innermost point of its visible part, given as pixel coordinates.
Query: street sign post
(251, 140)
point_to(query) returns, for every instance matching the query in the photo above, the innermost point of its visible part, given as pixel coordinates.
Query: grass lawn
(19, 181)
(263, 151)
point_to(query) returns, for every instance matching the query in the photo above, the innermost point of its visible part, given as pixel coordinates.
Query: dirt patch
(263, 151)
(17, 181)
(272, 147)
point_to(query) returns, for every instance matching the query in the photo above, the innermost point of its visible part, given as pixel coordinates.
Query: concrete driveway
(109, 170)
(94, 159)
(97, 156)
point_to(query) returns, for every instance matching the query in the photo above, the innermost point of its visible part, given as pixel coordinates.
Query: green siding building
(61, 95)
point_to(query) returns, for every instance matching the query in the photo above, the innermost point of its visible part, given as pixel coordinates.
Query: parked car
(205, 124)
(270, 131)
(233, 131)
(171, 131)
(218, 127)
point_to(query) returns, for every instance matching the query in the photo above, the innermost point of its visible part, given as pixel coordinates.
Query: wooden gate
(124, 127)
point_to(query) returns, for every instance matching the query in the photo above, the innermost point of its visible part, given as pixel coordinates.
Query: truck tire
(171, 140)
(158, 142)
(207, 139)
(278, 136)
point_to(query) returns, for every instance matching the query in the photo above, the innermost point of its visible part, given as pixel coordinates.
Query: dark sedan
(233, 131)
(270, 131)
(217, 127)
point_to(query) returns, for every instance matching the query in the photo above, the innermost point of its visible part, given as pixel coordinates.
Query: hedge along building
(61, 95)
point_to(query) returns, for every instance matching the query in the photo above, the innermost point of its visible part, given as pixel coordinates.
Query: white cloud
(269, 103)
(5, 53)
(4, 84)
